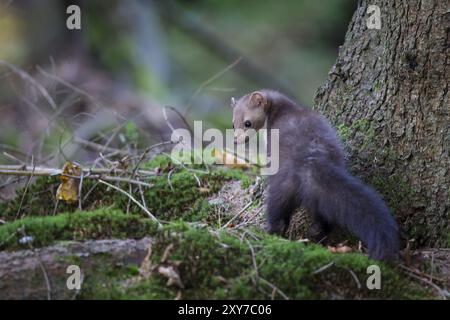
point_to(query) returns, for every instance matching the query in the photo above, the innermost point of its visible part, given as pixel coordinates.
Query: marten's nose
(236, 136)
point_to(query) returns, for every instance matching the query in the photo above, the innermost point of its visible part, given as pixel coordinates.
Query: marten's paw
(318, 233)
(278, 227)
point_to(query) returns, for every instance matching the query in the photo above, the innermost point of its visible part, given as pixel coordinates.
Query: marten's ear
(258, 99)
(233, 102)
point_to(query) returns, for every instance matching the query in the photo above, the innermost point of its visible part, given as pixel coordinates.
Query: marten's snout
(235, 138)
(240, 136)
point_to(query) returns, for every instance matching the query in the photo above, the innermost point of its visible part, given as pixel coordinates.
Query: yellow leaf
(230, 160)
(68, 189)
(204, 190)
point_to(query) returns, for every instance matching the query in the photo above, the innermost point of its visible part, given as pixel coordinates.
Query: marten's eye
(247, 124)
(233, 126)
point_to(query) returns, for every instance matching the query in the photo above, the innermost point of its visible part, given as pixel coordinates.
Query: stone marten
(313, 175)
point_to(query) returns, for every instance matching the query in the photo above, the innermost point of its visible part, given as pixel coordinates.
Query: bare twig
(25, 191)
(275, 288)
(355, 277)
(19, 170)
(80, 189)
(69, 85)
(430, 283)
(208, 82)
(323, 268)
(237, 214)
(24, 75)
(430, 277)
(132, 199)
(100, 147)
(146, 151)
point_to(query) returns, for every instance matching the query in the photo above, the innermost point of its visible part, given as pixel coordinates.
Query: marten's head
(249, 112)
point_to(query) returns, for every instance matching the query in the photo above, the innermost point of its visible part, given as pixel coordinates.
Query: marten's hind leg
(320, 229)
(281, 203)
(320, 226)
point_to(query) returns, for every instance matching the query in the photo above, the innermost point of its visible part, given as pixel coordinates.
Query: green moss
(221, 266)
(39, 199)
(211, 263)
(200, 211)
(168, 199)
(343, 131)
(377, 85)
(97, 224)
(149, 289)
(359, 127)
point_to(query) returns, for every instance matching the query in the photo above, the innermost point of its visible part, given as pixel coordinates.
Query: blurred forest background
(68, 94)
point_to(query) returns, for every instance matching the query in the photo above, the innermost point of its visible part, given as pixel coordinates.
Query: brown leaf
(340, 249)
(230, 160)
(172, 276)
(204, 190)
(68, 189)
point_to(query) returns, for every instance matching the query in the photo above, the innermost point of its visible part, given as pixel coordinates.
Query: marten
(312, 174)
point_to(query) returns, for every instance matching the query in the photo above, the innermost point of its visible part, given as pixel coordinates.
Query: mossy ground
(211, 262)
(218, 265)
(98, 224)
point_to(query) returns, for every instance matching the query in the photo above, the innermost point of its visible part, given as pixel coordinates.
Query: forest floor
(210, 244)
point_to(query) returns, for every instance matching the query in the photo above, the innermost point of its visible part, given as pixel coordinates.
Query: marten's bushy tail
(339, 198)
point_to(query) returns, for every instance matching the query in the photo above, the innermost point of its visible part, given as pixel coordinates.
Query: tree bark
(388, 96)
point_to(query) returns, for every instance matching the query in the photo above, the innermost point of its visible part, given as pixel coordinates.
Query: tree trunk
(388, 96)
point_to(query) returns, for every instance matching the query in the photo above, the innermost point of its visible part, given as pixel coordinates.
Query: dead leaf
(340, 249)
(204, 190)
(172, 276)
(68, 189)
(229, 159)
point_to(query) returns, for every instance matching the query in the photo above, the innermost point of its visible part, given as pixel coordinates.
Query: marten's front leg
(281, 203)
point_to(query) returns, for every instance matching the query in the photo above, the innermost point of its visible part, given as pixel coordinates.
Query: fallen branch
(87, 173)
(20, 170)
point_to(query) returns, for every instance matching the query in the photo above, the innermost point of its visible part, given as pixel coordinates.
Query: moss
(377, 85)
(149, 289)
(221, 266)
(39, 199)
(343, 131)
(211, 263)
(97, 224)
(107, 279)
(201, 211)
(394, 189)
(168, 199)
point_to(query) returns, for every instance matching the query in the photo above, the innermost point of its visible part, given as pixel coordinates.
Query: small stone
(25, 240)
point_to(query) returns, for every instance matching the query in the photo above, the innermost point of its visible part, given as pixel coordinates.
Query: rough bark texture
(23, 273)
(388, 96)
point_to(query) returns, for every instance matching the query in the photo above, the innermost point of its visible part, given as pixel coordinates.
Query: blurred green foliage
(136, 47)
